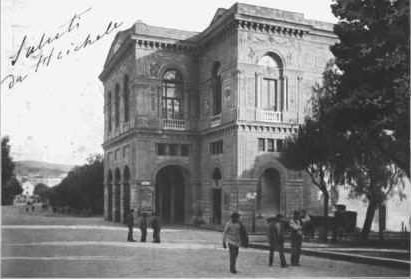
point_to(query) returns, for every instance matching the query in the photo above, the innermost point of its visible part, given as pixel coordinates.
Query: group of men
(143, 225)
(235, 236)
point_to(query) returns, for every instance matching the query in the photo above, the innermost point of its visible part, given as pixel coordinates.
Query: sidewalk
(399, 258)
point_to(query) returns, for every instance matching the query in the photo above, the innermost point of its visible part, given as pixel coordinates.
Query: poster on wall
(146, 204)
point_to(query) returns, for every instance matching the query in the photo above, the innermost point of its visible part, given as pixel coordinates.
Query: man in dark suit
(275, 235)
(143, 227)
(130, 224)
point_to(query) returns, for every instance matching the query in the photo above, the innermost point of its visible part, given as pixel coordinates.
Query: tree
(82, 189)
(42, 190)
(373, 93)
(10, 186)
(10, 190)
(370, 176)
(7, 164)
(316, 147)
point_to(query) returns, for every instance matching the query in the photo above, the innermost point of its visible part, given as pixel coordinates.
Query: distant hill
(39, 168)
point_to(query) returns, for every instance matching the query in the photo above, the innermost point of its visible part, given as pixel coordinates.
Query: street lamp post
(251, 196)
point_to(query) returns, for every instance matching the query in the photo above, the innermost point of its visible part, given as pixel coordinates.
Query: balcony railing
(215, 120)
(174, 124)
(270, 116)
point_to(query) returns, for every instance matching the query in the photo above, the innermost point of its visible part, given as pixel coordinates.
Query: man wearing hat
(275, 235)
(296, 226)
(232, 237)
(130, 224)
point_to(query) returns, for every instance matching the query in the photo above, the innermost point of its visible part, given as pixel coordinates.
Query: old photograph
(205, 139)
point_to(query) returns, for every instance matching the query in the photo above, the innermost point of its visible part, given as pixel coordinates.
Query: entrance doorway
(216, 206)
(269, 193)
(170, 194)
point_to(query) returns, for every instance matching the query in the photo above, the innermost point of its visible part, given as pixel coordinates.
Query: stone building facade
(195, 122)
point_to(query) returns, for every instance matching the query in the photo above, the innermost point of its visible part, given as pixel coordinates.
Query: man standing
(232, 237)
(275, 234)
(130, 224)
(155, 225)
(308, 229)
(143, 227)
(296, 238)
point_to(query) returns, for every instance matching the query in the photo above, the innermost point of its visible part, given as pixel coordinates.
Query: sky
(55, 113)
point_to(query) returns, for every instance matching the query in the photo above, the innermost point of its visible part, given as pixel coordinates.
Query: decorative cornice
(153, 43)
(250, 25)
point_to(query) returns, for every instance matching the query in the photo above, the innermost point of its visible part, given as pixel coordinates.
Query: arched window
(172, 100)
(126, 99)
(216, 87)
(109, 111)
(274, 95)
(117, 105)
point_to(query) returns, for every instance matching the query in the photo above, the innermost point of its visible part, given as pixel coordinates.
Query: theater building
(195, 122)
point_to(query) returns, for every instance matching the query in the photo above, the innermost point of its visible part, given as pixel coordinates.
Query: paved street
(41, 246)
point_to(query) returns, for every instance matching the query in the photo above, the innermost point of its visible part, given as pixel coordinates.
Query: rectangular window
(185, 150)
(270, 145)
(161, 149)
(173, 148)
(125, 151)
(269, 98)
(261, 144)
(280, 145)
(216, 147)
(117, 155)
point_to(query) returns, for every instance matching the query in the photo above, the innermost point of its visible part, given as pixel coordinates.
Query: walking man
(232, 237)
(275, 234)
(130, 224)
(143, 227)
(296, 238)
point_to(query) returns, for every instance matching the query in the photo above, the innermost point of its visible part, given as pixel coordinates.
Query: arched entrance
(117, 179)
(126, 192)
(170, 194)
(110, 195)
(216, 196)
(268, 201)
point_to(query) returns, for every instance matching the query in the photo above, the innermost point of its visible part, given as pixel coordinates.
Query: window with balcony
(172, 95)
(216, 83)
(274, 91)
(269, 94)
(126, 99)
(109, 120)
(117, 105)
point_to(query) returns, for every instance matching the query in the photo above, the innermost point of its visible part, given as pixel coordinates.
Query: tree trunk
(372, 206)
(381, 221)
(324, 236)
